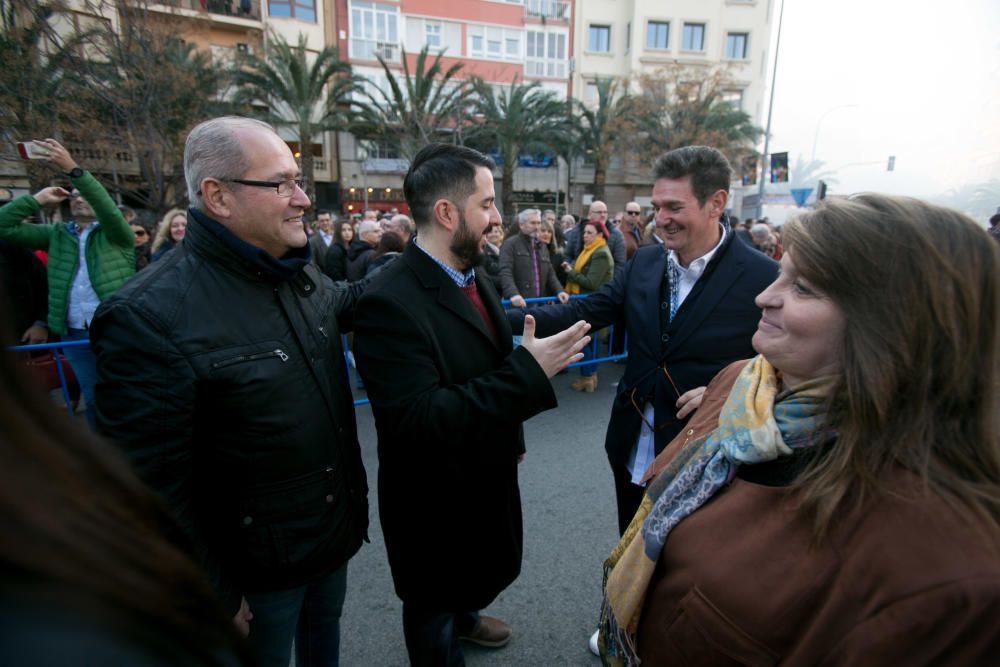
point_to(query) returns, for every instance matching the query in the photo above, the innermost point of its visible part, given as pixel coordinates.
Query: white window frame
(490, 35)
(551, 61)
(374, 29)
(432, 34)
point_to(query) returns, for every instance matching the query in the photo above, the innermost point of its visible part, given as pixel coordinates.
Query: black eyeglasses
(283, 188)
(633, 212)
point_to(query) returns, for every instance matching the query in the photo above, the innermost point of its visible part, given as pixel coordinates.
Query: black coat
(359, 255)
(712, 328)
(226, 387)
(448, 401)
(335, 263)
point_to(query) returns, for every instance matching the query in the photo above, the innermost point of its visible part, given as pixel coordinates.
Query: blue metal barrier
(57, 347)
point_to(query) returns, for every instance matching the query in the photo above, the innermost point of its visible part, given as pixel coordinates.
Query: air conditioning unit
(245, 49)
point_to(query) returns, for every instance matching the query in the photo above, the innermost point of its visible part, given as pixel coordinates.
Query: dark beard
(465, 246)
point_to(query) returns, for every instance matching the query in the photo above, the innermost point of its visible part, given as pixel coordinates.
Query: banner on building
(749, 170)
(779, 167)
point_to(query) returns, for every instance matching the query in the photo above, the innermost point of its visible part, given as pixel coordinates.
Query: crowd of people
(805, 441)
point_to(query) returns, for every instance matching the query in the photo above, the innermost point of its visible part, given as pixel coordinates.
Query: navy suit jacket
(712, 328)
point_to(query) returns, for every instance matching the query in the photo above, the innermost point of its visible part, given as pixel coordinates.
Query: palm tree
(309, 95)
(423, 106)
(683, 107)
(520, 118)
(602, 127)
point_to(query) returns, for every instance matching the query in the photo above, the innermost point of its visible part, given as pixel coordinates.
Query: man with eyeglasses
(221, 375)
(90, 256)
(598, 214)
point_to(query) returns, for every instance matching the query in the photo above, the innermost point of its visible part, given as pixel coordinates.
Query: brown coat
(906, 581)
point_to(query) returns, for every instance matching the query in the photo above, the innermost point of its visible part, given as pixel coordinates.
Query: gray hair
(760, 230)
(523, 216)
(366, 226)
(213, 150)
(403, 221)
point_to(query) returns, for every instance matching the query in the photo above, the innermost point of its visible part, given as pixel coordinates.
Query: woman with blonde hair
(169, 233)
(836, 499)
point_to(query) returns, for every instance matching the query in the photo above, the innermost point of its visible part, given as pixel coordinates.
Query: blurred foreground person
(93, 571)
(846, 481)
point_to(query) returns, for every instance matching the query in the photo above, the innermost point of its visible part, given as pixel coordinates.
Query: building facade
(623, 39)
(497, 40)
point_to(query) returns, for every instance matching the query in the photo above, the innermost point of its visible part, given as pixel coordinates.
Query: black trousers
(432, 635)
(627, 495)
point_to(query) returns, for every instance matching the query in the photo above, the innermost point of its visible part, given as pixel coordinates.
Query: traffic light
(821, 191)
(892, 163)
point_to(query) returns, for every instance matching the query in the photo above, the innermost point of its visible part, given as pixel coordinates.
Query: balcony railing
(243, 9)
(548, 9)
(370, 49)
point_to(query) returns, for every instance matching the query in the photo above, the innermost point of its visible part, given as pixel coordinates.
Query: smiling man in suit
(688, 309)
(449, 395)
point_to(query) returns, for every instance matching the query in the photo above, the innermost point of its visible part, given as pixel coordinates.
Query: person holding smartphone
(90, 256)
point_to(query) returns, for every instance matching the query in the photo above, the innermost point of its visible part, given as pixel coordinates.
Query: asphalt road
(570, 523)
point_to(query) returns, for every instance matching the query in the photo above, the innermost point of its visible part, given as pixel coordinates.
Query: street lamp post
(819, 124)
(770, 110)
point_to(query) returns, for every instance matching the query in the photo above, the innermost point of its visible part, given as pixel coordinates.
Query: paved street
(569, 528)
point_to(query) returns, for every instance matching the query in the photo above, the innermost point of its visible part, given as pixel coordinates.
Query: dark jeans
(432, 635)
(627, 495)
(310, 614)
(84, 365)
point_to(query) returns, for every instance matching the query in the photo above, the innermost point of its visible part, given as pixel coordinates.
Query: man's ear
(717, 203)
(445, 213)
(217, 199)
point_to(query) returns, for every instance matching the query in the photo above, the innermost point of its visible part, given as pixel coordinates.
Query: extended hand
(50, 195)
(58, 155)
(563, 297)
(517, 301)
(35, 335)
(242, 618)
(555, 352)
(689, 402)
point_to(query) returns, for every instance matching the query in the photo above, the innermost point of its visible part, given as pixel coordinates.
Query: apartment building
(624, 38)
(498, 40)
(223, 27)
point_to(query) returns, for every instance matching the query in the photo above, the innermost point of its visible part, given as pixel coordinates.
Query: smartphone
(29, 150)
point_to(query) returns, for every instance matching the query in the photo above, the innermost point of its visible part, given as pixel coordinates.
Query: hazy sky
(923, 79)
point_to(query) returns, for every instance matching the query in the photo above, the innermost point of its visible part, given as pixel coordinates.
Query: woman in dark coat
(336, 255)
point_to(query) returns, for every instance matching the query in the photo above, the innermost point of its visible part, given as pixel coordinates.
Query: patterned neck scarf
(757, 424)
(673, 277)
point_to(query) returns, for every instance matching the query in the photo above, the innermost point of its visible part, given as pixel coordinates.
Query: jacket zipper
(280, 354)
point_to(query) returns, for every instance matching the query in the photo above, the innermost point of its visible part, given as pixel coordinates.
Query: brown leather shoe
(492, 632)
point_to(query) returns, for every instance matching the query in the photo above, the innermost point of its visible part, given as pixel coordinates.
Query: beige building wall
(624, 38)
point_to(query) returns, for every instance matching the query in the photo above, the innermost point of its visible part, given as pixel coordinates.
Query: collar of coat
(255, 259)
